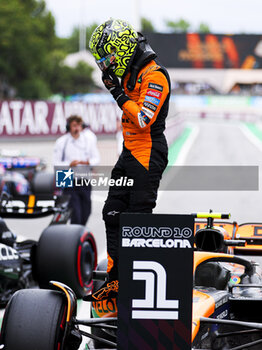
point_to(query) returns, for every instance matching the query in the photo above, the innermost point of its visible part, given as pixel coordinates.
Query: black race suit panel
(139, 198)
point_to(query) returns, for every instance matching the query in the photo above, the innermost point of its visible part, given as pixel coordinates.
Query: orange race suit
(144, 155)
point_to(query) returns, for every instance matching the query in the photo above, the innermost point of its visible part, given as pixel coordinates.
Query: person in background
(77, 148)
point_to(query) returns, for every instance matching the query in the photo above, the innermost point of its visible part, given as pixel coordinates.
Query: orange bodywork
(205, 304)
(203, 307)
(244, 231)
(253, 230)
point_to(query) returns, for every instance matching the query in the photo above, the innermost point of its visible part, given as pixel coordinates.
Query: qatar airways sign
(41, 118)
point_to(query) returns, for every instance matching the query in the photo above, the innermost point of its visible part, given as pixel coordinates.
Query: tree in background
(146, 25)
(66, 80)
(203, 28)
(27, 35)
(180, 26)
(183, 26)
(31, 56)
(71, 44)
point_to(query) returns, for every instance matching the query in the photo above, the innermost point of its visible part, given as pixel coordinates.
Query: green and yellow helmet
(113, 44)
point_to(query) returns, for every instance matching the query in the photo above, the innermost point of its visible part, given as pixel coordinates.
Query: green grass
(176, 146)
(255, 130)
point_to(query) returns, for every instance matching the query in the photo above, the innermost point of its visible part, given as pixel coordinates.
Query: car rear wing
(36, 206)
(251, 233)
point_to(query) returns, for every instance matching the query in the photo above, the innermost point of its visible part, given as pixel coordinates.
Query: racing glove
(112, 84)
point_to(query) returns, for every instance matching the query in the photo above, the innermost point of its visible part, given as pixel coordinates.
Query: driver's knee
(112, 210)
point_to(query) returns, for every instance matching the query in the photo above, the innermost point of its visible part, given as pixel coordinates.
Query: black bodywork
(17, 258)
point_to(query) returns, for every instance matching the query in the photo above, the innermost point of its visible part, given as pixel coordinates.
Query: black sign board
(155, 279)
(209, 50)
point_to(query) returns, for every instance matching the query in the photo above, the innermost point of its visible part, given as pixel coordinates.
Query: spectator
(77, 148)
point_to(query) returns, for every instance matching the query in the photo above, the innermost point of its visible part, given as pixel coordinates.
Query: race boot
(109, 290)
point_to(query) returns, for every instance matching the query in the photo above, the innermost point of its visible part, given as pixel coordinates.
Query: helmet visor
(105, 62)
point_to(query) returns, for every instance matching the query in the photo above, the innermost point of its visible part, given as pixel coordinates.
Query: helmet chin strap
(143, 55)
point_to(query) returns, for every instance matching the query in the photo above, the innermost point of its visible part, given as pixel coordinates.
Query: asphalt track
(218, 143)
(208, 142)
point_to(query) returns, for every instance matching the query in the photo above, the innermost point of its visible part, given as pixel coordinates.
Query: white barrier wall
(230, 104)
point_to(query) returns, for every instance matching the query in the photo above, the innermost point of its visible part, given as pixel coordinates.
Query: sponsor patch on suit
(141, 121)
(147, 112)
(146, 119)
(153, 100)
(150, 106)
(155, 86)
(153, 93)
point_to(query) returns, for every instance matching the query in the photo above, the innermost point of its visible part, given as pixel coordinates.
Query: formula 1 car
(227, 299)
(227, 289)
(21, 175)
(63, 252)
(251, 233)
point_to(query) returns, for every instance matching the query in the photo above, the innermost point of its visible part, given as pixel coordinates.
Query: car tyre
(66, 253)
(34, 320)
(43, 183)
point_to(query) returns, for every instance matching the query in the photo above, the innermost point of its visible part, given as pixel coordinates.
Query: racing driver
(141, 87)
